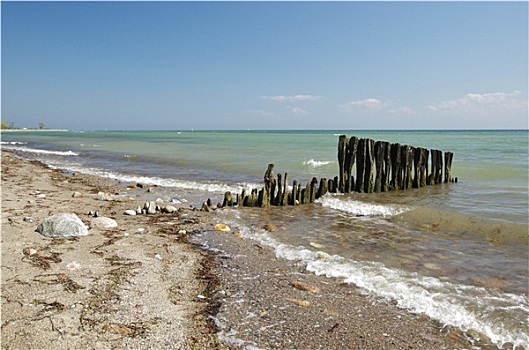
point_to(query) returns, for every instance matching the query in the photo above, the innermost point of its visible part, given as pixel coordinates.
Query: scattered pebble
(222, 228)
(130, 212)
(316, 245)
(305, 286)
(158, 256)
(298, 302)
(29, 219)
(73, 265)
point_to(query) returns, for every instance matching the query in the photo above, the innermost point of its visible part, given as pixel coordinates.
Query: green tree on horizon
(42, 125)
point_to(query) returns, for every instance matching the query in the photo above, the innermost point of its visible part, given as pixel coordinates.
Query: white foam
(466, 307)
(39, 151)
(360, 208)
(316, 163)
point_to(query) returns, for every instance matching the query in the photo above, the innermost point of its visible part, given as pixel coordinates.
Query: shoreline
(157, 289)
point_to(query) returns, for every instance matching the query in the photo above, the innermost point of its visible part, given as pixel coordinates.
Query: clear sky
(266, 65)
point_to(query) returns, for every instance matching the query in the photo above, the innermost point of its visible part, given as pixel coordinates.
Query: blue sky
(266, 65)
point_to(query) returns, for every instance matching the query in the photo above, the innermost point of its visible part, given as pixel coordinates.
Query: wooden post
(313, 189)
(379, 162)
(277, 199)
(228, 199)
(284, 200)
(322, 190)
(350, 159)
(299, 194)
(306, 194)
(342, 151)
(395, 167)
(448, 166)
(294, 196)
(369, 165)
(330, 186)
(386, 146)
(360, 165)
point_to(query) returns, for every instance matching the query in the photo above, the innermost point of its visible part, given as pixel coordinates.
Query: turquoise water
(457, 252)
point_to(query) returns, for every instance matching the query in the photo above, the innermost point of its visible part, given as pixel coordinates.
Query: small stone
(74, 265)
(176, 200)
(239, 235)
(169, 209)
(29, 219)
(132, 186)
(222, 228)
(29, 251)
(103, 222)
(158, 256)
(102, 196)
(316, 245)
(322, 255)
(182, 232)
(130, 212)
(77, 195)
(305, 286)
(138, 211)
(269, 227)
(303, 303)
(205, 206)
(42, 195)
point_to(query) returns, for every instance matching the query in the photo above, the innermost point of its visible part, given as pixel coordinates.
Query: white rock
(169, 209)
(63, 225)
(77, 195)
(130, 212)
(103, 222)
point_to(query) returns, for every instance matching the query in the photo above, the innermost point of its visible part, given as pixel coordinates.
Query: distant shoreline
(20, 130)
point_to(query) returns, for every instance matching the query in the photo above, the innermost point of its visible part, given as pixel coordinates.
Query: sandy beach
(148, 283)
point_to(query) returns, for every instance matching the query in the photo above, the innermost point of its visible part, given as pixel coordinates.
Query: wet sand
(147, 284)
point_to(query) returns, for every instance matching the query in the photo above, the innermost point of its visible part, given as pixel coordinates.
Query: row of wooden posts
(379, 167)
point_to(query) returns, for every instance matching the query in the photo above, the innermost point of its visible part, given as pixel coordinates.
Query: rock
(29, 251)
(176, 200)
(130, 212)
(322, 255)
(222, 228)
(303, 303)
(103, 222)
(269, 227)
(239, 235)
(305, 286)
(42, 195)
(138, 210)
(132, 186)
(63, 225)
(77, 195)
(169, 209)
(102, 196)
(316, 245)
(205, 207)
(150, 207)
(29, 219)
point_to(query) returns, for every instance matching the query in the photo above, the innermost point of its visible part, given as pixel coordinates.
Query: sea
(457, 252)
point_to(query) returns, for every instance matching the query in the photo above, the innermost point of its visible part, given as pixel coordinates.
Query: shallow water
(457, 252)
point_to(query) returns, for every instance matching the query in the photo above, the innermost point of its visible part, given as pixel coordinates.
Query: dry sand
(142, 285)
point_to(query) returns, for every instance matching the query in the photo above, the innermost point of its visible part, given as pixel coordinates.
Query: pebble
(29, 219)
(222, 228)
(103, 222)
(305, 286)
(42, 195)
(77, 195)
(169, 209)
(298, 302)
(316, 245)
(158, 256)
(322, 255)
(130, 212)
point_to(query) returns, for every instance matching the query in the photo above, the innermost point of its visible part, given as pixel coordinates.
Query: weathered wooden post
(294, 196)
(369, 165)
(342, 151)
(228, 199)
(305, 199)
(313, 189)
(386, 146)
(284, 199)
(322, 190)
(379, 161)
(330, 186)
(279, 196)
(396, 175)
(360, 165)
(350, 159)
(448, 166)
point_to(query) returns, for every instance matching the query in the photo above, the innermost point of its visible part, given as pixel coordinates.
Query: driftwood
(379, 167)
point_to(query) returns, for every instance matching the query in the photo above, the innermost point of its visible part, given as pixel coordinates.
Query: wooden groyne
(364, 166)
